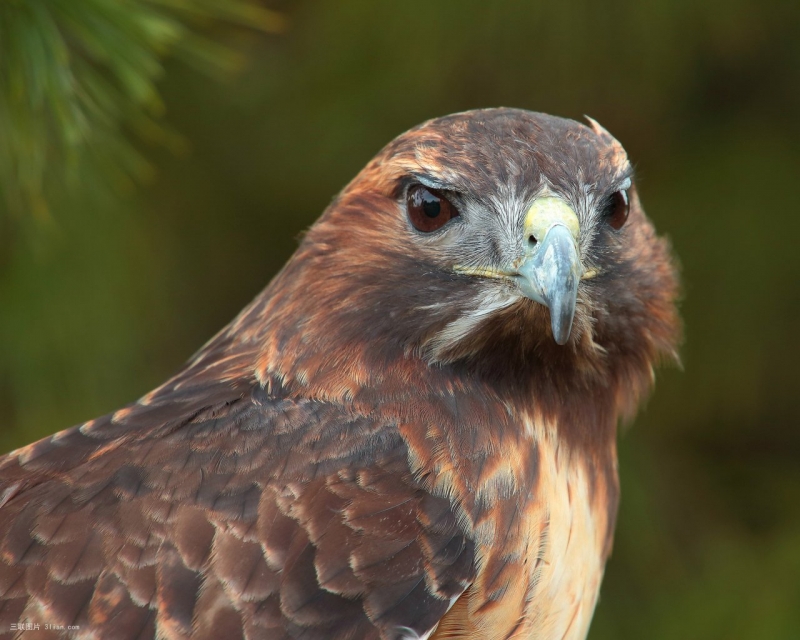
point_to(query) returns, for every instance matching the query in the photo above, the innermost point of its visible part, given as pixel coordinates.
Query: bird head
(495, 238)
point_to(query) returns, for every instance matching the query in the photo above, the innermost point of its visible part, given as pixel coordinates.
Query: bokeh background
(107, 288)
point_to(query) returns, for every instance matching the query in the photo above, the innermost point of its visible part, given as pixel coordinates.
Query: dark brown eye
(618, 209)
(429, 210)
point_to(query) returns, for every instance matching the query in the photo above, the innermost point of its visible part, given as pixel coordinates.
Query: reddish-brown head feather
(351, 314)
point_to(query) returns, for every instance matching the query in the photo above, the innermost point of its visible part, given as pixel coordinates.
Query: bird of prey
(410, 433)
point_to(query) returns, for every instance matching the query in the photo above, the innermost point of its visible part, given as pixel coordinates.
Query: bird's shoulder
(218, 509)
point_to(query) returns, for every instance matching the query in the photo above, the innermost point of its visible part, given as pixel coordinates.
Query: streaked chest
(544, 549)
(572, 515)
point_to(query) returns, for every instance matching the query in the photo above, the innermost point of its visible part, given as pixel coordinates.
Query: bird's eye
(429, 210)
(617, 209)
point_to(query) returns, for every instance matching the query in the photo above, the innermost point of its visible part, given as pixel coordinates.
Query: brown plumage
(388, 442)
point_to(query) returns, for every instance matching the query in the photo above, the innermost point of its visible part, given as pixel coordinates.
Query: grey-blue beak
(551, 268)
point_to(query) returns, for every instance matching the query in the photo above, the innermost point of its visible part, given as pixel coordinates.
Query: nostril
(531, 240)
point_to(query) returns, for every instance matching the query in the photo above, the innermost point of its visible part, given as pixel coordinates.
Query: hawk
(410, 433)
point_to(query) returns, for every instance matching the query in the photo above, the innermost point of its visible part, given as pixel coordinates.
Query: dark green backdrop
(104, 302)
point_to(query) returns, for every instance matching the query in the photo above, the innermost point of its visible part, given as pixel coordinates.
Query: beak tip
(562, 327)
(562, 311)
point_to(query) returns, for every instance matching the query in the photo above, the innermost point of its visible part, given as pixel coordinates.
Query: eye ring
(618, 209)
(428, 209)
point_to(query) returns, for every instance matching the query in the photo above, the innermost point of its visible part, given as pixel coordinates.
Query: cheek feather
(456, 332)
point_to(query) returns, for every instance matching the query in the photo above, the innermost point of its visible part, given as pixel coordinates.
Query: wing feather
(212, 509)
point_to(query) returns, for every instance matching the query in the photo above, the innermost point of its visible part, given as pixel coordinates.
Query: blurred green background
(108, 289)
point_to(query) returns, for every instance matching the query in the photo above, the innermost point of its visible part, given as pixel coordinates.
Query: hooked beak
(551, 268)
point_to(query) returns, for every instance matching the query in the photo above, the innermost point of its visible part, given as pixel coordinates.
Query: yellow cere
(547, 212)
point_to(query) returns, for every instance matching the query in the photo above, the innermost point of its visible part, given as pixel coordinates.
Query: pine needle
(79, 85)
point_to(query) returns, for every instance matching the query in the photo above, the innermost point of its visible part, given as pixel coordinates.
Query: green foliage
(78, 81)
